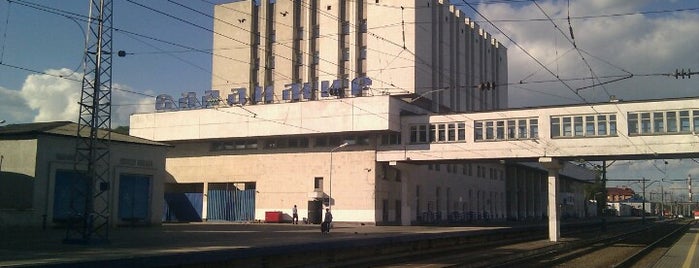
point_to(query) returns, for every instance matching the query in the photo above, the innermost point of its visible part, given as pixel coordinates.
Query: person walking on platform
(294, 215)
(325, 226)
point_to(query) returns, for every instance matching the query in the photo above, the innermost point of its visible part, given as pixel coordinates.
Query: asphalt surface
(37, 247)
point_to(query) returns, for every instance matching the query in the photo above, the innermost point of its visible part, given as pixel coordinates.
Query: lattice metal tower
(92, 155)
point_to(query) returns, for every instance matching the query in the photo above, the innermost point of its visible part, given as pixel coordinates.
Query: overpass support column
(553, 166)
(406, 210)
(205, 202)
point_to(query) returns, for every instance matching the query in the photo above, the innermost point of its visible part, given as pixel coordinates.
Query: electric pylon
(90, 223)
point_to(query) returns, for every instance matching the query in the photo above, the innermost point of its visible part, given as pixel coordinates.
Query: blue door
(228, 203)
(69, 195)
(134, 196)
(183, 207)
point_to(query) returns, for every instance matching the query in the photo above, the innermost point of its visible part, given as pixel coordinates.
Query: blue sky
(620, 37)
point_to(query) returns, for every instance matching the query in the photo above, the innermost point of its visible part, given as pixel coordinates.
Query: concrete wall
(449, 188)
(315, 117)
(17, 179)
(284, 179)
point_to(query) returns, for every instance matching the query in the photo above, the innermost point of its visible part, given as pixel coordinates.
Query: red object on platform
(273, 216)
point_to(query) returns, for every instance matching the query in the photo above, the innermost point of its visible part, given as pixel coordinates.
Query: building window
(671, 118)
(318, 183)
(684, 121)
(633, 123)
(522, 129)
(394, 138)
(363, 26)
(511, 129)
(489, 131)
(583, 126)
(362, 53)
(441, 129)
(423, 134)
(461, 131)
(345, 54)
(567, 126)
(533, 128)
(315, 33)
(578, 126)
(234, 145)
(590, 125)
(451, 132)
(500, 130)
(478, 130)
(345, 27)
(299, 33)
(660, 122)
(645, 123)
(601, 125)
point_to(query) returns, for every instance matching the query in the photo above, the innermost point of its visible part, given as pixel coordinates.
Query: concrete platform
(685, 253)
(173, 244)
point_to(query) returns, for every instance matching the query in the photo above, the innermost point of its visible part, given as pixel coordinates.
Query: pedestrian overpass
(552, 135)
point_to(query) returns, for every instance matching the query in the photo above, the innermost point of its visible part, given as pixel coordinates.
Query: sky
(637, 42)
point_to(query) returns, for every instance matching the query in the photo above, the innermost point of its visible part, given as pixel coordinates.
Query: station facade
(307, 93)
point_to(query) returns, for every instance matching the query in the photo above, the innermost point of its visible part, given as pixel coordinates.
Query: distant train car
(696, 214)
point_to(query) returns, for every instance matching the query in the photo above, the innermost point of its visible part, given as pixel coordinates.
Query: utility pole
(90, 224)
(691, 203)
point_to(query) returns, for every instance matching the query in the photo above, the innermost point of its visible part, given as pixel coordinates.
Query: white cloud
(54, 96)
(51, 97)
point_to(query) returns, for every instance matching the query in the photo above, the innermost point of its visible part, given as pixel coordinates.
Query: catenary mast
(92, 157)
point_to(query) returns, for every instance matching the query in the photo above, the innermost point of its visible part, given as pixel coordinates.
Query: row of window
(601, 125)
(506, 129)
(294, 142)
(467, 169)
(446, 132)
(597, 125)
(663, 122)
(481, 200)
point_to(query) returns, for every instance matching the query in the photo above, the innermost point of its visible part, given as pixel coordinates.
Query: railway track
(631, 245)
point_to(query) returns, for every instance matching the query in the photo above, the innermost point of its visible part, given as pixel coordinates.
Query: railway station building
(306, 93)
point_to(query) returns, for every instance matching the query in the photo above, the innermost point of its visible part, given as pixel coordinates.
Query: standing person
(325, 226)
(295, 215)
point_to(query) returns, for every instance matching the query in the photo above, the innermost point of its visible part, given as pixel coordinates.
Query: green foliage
(122, 130)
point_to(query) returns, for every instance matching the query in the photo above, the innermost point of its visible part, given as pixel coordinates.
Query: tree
(121, 130)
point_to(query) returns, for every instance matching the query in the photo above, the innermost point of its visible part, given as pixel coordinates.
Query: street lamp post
(330, 191)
